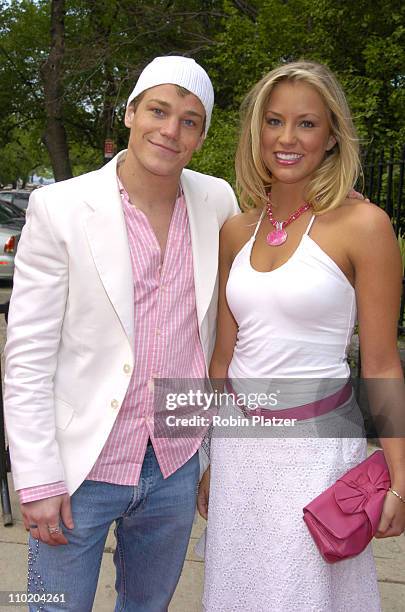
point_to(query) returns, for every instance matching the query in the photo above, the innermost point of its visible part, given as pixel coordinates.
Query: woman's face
(295, 132)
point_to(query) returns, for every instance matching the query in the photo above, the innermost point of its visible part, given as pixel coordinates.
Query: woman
(294, 269)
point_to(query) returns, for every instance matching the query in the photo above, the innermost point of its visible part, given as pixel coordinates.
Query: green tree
(108, 42)
(362, 42)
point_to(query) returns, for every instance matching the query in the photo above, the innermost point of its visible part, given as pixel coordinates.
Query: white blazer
(70, 331)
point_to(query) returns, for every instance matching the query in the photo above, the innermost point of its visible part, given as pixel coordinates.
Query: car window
(5, 215)
(6, 196)
(21, 200)
(12, 208)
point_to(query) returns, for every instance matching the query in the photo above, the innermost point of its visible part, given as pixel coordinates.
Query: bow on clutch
(344, 518)
(364, 492)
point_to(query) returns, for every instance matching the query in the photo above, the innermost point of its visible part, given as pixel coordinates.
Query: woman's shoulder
(357, 214)
(354, 228)
(361, 229)
(237, 230)
(364, 217)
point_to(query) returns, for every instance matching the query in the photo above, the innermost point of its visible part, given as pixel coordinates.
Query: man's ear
(129, 115)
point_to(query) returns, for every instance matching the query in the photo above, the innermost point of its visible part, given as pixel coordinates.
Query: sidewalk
(389, 554)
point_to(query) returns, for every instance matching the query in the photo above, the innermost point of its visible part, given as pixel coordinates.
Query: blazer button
(115, 403)
(127, 368)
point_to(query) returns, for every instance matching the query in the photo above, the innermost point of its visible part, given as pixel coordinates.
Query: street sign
(108, 148)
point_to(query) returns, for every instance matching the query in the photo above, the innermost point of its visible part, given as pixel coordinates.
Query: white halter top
(295, 321)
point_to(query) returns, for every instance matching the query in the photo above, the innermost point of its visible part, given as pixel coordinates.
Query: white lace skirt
(259, 555)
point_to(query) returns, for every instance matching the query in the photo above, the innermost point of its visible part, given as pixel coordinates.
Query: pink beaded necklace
(279, 235)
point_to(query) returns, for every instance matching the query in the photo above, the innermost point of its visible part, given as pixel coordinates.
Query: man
(115, 285)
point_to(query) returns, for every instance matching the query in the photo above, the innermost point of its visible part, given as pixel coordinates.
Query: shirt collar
(125, 197)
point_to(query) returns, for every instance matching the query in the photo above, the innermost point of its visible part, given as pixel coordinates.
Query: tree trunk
(104, 26)
(54, 137)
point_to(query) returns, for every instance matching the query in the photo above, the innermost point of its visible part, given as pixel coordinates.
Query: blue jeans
(153, 522)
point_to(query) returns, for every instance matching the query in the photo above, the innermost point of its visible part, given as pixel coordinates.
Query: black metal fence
(384, 182)
(384, 185)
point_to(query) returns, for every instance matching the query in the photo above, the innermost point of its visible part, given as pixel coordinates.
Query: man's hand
(204, 494)
(42, 518)
(356, 195)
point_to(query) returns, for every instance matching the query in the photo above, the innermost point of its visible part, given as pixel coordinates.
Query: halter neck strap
(258, 224)
(309, 225)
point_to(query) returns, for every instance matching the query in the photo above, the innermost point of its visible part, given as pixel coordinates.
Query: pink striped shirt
(167, 345)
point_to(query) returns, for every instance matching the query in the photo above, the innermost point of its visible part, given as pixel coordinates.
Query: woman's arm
(226, 325)
(378, 284)
(225, 339)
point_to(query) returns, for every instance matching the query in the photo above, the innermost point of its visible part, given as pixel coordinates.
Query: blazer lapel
(107, 235)
(204, 240)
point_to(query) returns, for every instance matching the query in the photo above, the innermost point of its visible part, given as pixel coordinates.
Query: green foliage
(21, 155)
(107, 44)
(218, 152)
(109, 41)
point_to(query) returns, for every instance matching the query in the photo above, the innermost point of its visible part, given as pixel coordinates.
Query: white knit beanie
(177, 70)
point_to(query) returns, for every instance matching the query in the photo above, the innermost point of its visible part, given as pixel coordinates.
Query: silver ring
(33, 526)
(53, 529)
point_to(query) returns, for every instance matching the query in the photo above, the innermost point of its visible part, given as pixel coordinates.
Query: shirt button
(127, 368)
(114, 404)
(151, 384)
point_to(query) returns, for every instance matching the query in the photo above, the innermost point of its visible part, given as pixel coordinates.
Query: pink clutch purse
(343, 519)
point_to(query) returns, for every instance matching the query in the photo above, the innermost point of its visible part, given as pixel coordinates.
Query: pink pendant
(276, 237)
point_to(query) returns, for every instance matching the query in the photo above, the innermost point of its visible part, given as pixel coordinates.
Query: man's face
(166, 129)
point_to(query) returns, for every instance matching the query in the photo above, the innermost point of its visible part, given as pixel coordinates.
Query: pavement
(389, 555)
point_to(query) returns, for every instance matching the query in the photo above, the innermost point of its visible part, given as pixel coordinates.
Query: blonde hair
(339, 170)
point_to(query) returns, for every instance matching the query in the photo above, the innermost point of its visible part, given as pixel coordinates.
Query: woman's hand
(392, 521)
(204, 494)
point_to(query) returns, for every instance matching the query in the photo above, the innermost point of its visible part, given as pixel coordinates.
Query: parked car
(19, 197)
(10, 232)
(11, 215)
(14, 210)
